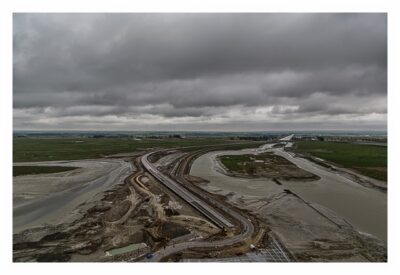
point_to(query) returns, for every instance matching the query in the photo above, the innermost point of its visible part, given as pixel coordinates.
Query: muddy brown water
(364, 208)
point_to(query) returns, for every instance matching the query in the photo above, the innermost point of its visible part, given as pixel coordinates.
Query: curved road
(196, 202)
(205, 202)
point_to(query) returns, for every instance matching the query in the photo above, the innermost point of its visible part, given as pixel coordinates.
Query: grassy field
(266, 165)
(234, 163)
(369, 160)
(44, 149)
(31, 170)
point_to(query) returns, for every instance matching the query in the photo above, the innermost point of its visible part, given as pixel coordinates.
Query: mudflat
(314, 228)
(51, 198)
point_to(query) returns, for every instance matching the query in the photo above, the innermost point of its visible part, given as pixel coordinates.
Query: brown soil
(130, 213)
(117, 211)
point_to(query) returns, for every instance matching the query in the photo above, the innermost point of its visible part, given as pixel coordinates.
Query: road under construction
(156, 213)
(176, 205)
(187, 195)
(221, 214)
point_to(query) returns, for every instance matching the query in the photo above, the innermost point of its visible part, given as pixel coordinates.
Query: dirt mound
(117, 211)
(171, 230)
(117, 193)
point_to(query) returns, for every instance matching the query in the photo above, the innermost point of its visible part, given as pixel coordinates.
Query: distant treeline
(270, 137)
(262, 135)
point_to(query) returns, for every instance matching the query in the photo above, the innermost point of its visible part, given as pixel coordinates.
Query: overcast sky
(233, 72)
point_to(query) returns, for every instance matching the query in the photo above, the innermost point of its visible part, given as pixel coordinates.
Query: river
(363, 207)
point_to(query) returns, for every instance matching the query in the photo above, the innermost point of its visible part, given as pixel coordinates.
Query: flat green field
(44, 149)
(233, 162)
(264, 165)
(369, 160)
(31, 170)
(247, 163)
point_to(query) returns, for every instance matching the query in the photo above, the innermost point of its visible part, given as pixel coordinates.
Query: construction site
(161, 211)
(140, 216)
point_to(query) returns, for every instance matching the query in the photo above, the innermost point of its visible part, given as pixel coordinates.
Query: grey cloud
(82, 66)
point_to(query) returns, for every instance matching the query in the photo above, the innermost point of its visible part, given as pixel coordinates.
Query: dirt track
(132, 212)
(246, 224)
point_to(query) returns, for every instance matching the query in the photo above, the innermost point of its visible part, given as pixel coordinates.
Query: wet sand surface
(365, 208)
(54, 198)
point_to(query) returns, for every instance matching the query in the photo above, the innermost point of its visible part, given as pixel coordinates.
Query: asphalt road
(186, 195)
(212, 212)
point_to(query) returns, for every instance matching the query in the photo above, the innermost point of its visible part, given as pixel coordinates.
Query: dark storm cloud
(70, 69)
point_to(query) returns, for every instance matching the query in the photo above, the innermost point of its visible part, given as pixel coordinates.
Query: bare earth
(89, 213)
(122, 212)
